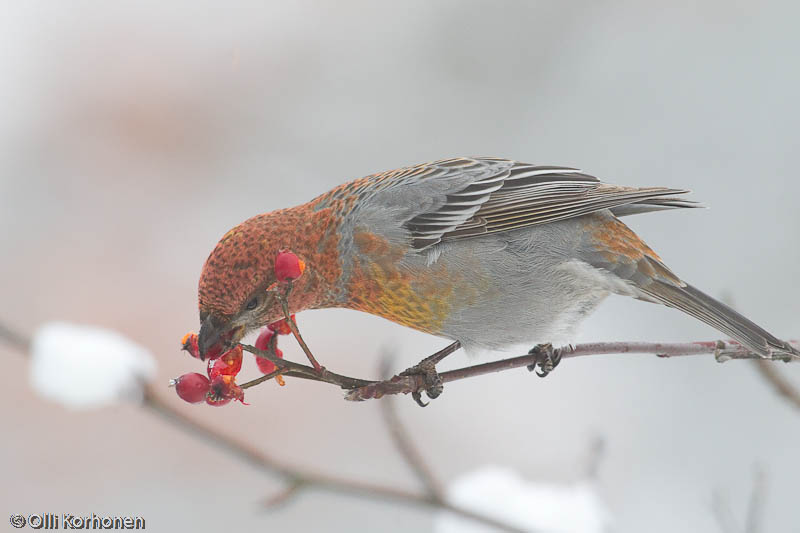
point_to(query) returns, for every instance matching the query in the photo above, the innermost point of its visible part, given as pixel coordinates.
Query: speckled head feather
(243, 260)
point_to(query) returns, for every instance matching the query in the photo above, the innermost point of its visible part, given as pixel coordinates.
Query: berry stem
(284, 299)
(296, 370)
(262, 379)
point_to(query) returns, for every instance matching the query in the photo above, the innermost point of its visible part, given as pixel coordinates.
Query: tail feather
(654, 204)
(718, 315)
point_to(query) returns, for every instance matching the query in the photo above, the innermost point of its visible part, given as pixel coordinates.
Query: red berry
(267, 341)
(288, 266)
(217, 402)
(264, 338)
(189, 342)
(224, 388)
(265, 365)
(192, 387)
(281, 327)
(215, 352)
(228, 365)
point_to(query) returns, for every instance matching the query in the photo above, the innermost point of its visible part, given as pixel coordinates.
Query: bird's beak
(210, 341)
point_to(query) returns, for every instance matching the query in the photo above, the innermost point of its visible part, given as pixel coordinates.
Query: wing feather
(519, 195)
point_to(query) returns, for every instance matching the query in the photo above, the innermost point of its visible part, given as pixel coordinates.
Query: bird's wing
(477, 196)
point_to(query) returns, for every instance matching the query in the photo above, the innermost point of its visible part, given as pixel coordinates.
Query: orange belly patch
(422, 300)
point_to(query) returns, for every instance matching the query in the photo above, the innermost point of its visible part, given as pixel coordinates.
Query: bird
(487, 252)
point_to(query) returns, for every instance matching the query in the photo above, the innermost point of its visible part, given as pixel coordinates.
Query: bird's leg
(547, 358)
(427, 369)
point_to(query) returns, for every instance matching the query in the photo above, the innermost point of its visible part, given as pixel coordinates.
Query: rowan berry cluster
(219, 386)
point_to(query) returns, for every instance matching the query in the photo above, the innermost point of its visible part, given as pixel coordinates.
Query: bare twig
(414, 382)
(721, 508)
(723, 512)
(781, 385)
(755, 507)
(284, 496)
(15, 339)
(360, 389)
(295, 477)
(595, 457)
(296, 370)
(284, 300)
(722, 350)
(262, 379)
(405, 445)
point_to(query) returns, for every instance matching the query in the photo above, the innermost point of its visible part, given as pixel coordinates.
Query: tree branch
(298, 478)
(405, 445)
(722, 350)
(781, 385)
(415, 383)
(721, 507)
(295, 477)
(755, 507)
(15, 339)
(361, 389)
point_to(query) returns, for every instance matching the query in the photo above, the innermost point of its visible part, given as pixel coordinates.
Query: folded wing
(519, 195)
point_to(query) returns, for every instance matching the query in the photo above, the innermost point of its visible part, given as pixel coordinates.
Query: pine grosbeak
(486, 251)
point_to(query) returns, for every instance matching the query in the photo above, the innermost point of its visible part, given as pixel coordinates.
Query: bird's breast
(384, 282)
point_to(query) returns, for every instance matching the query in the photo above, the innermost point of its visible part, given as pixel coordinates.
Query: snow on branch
(83, 367)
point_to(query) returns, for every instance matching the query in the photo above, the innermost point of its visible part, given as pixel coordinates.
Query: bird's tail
(718, 315)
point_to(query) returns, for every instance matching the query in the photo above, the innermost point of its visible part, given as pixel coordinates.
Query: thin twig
(262, 379)
(298, 478)
(15, 339)
(295, 477)
(595, 457)
(723, 512)
(284, 299)
(408, 450)
(284, 496)
(414, 382)
(781, 385)
(293, 369)
(755, 507)
(167, 410)
(722, 350)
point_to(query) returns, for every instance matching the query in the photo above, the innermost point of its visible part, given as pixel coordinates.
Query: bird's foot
(547, 358)
(433, 385)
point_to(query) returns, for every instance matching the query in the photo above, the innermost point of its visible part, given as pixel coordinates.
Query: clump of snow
(502, 494)
(86, 366)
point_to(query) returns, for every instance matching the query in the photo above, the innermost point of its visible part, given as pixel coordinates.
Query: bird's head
(233, 295)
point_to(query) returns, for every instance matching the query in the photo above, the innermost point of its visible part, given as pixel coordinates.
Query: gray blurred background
(133, 137)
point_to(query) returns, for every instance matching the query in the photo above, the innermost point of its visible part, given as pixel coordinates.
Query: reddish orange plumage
(244, 259)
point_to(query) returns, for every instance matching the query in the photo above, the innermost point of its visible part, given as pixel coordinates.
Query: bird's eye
(252, 304)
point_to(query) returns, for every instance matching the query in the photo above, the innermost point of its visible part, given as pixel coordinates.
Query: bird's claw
(433, 382)
(547, 358)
